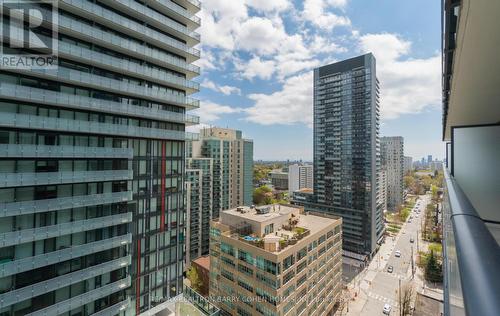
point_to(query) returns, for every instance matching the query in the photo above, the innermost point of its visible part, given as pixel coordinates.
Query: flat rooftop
(252, 214)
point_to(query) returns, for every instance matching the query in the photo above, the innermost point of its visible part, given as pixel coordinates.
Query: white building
(391, 153)
(299, 177)
(407, 164)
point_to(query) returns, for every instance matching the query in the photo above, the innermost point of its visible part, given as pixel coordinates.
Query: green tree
(263, 195)
(409, 182)
(194, 278)
(433, 269)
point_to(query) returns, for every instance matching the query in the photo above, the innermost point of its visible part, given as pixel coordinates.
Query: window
(245, 256)
(288, 262)
(228, 275)
(227, 261)
(245, 285)
(268, 266)
(226, 248)
(288, 277)
(301, 253)
(269, 229)
(245, 270)
(301, 266)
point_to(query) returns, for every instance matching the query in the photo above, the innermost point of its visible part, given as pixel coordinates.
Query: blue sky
(258, 56)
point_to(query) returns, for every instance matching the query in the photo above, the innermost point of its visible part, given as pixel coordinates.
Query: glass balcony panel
(88, 297)
(56, 98)
(86, 127)
(180, 10)
(114, 309)
(41, 233)
(46, 151)
(35, 262)
(46, 178)
(48, 205)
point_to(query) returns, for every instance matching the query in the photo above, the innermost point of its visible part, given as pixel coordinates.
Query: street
(376, 287)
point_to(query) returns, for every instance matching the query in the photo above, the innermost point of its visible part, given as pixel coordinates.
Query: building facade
(407, 164)
(279, 180)
(346, 150)
(382, 188)
(199, 174)
(275, 260)
(471, 129)
(92, 160)
(391, 157)
(299, 177)
(233, 166)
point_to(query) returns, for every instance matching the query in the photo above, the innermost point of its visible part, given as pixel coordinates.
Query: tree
(263, 195)
(194, 278)
(405, 298)
(433, 269)
(409, 182)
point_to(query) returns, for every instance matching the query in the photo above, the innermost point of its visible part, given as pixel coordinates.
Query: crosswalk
(398, 276)
(384, 299)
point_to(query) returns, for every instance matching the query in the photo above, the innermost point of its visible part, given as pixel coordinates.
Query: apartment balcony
(48, 178)
(126, 67)
(472, 256)
(10, 120)
(38, 261)
(176, 11)
(117, 308)
(97, 82)
(46, 151)
(48, 205)
(89, 297)
(152, 17)
(46, 232)
(27, 292)
(75, 28)
(55, 98)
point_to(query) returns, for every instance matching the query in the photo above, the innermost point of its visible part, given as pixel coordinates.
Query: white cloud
(292, 104)
(320, 44)
(210, 111)
(269, 5)
(224, 89)
(197, 128)
(256, 68)
(315, 11)
(407, 85)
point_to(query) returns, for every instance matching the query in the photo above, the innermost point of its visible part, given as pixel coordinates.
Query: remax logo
(29, 34)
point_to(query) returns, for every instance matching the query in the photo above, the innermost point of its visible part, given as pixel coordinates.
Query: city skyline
(241, 90)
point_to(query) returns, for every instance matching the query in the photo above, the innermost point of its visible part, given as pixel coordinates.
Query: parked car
(390, 269)
(412, 240)
(398, 253)
(387, 309)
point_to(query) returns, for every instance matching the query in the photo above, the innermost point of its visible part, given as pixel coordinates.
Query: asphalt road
(383, 289)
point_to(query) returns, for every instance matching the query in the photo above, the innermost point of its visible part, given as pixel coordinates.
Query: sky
(258, 56)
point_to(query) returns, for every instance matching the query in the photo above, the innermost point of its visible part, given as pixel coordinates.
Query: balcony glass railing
(87, 127)
(47, 178)
(27, 292)
(123, 66)
(65, 22)
(38, 261)
(179, 10)
(200, 302)
(117, 86)
(56, 98)
(89, 297)
(48, 205)
(46, 151)
(46, 232)
(471, 257)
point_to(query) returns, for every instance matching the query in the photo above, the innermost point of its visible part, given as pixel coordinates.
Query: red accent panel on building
(162, 217)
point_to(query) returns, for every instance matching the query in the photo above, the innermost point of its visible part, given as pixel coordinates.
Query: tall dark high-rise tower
(346, 149)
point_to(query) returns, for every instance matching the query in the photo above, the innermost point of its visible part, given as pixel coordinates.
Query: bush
(433, 269)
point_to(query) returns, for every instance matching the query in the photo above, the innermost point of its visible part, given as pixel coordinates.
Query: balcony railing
(87, 127)
(61, 203)
(47, 178)
(89, 297)
(472, 257)
(29, 94)
(40, 233)
(46, 151)
(200, 302)
(38, 261)
(179, 10)
(56, 283)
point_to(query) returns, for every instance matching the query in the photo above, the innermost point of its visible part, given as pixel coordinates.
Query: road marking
(384, 299)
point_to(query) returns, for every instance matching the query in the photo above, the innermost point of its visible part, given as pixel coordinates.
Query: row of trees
(418, 184)
(263, 195)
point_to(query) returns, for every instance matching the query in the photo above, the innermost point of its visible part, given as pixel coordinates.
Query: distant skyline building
(299, 177)
(279, 180)
(346, 151)
(92, 172)
(391, 158)
(277, 259)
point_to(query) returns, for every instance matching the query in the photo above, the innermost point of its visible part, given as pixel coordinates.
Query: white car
(397, 253)
(387, 309)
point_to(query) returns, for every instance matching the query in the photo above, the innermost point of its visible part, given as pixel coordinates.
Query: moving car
(398, 253)
(390, 269)
(387, 309)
